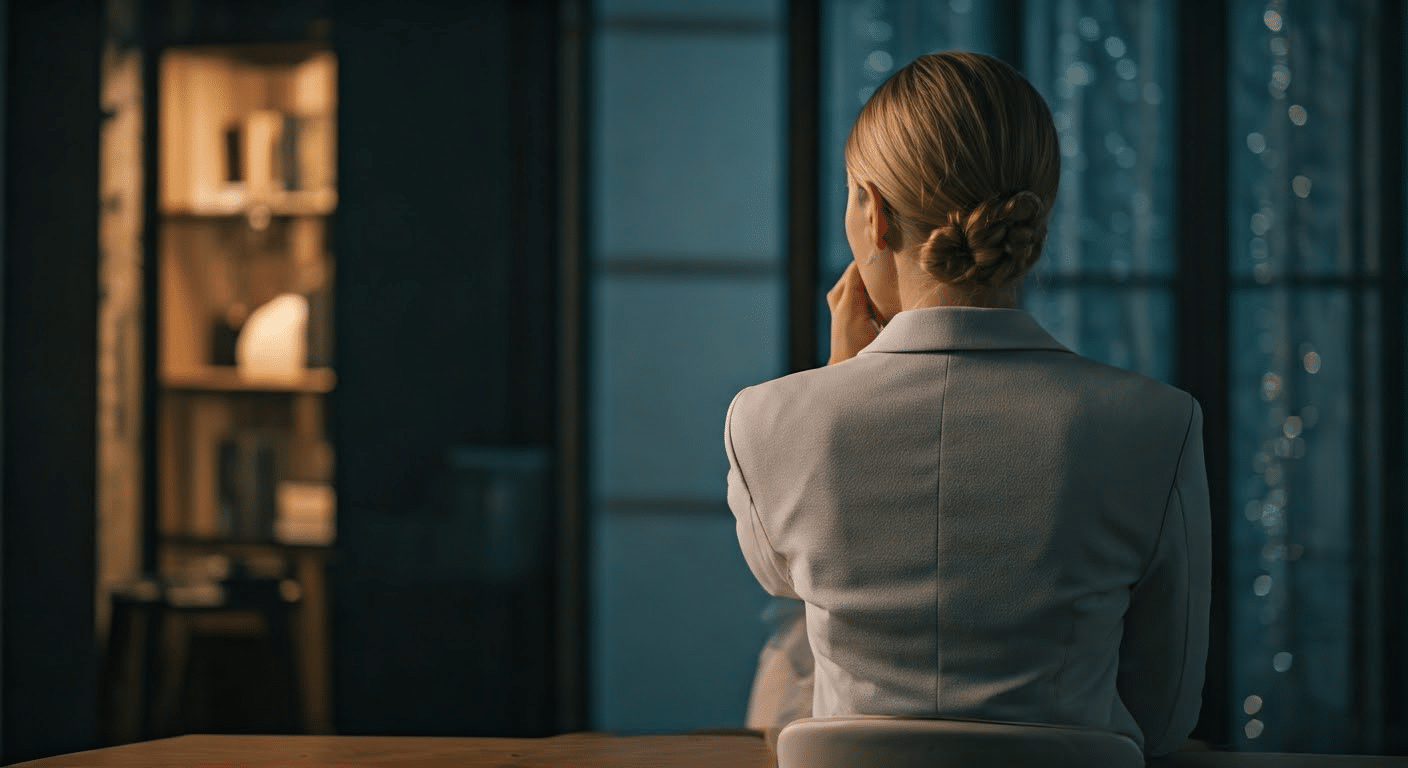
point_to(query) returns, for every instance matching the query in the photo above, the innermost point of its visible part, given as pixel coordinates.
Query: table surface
(580, 750)
(740, 749)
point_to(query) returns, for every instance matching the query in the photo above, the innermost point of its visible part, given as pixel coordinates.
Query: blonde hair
(964, 154)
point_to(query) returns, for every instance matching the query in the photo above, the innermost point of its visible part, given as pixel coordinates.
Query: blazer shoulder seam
(1172, 488)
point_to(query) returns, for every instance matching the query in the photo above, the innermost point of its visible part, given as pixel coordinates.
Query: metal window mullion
(803, 189)
(1364, 244)
(1203, 301)
(1394, 596)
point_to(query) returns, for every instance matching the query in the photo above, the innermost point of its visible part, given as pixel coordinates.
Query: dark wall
(443, 414)
(48, 383)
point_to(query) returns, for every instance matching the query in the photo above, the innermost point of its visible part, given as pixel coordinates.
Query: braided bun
(964, 150)
(989, 246)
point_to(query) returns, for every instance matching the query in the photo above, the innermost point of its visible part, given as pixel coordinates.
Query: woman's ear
(877, 222)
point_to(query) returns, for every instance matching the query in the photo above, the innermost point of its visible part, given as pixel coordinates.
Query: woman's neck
(919, 289)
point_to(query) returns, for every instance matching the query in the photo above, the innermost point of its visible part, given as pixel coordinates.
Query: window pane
(671, 353)
(1106, 69)
(1294, 111)
(1305, 404)
(687, 308)
(1125, 327)
(1298, 438)
(685, 144)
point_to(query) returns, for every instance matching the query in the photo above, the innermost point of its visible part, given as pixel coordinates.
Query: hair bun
(993, 244)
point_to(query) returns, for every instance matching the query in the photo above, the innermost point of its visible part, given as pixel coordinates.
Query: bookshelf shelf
(319, 203)
(228, 379)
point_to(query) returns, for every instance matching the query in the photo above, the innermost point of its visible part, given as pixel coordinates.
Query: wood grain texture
(721, 749)
(580, 750)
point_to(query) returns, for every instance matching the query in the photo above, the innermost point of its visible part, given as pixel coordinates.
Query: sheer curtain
(1316, 300)
(1306, 474)
(1104, 286)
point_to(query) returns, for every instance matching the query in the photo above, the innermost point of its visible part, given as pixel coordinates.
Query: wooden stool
(154, 626)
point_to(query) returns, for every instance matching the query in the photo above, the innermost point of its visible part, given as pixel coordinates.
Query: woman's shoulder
(1113, 382)
(803, 402)
(811, 389)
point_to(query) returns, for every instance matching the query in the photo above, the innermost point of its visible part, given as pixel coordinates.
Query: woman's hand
(853, 324)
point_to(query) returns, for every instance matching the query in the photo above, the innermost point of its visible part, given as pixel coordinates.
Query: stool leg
(314, 660)
(282, 641)
(153, 621)
(175, 646)
(124, 674)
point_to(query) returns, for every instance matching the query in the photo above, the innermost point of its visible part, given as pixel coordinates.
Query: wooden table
(739, 749)
(579, 750)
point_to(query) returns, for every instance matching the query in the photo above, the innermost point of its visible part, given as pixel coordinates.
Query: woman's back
(985, 525)
(981, 523)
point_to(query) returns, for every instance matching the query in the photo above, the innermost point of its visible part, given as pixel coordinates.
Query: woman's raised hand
(853, 324)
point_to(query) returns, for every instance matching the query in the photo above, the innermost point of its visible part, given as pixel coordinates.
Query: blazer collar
(962, 328)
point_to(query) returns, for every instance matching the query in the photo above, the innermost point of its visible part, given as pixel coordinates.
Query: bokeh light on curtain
(1304, 373)
(1104, 286)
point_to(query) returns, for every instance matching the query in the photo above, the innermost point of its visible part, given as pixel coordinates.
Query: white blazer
(983, 524)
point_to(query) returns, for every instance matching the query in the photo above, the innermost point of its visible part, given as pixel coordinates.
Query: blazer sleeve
(1164, 649)
(767, 565)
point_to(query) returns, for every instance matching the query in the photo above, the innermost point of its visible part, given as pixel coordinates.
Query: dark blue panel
(670, 354)
(678, 623)
(686, 146)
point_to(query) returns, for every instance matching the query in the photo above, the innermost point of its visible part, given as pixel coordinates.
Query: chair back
(864, 741)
